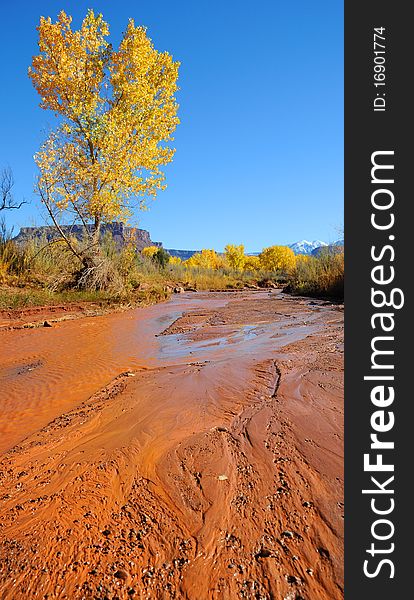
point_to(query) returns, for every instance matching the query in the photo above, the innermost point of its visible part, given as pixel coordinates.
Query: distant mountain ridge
(305, 247)
(141, 238)
(183, 254)
(121, 234)
(301, 247)
(334, 248)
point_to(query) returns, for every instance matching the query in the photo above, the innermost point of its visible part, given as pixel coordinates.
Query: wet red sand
(34, 316)
(203, 463)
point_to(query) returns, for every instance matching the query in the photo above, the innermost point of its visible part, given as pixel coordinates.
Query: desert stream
(188, 450)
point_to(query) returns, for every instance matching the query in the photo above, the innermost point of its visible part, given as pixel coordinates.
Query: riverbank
(191, 449)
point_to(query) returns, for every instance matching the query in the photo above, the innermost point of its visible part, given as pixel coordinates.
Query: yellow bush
(206, 259)
(234, 256)
(251, 263)
(277, 258)
(149, 251)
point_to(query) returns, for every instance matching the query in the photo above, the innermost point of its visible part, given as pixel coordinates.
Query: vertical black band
(378, 234)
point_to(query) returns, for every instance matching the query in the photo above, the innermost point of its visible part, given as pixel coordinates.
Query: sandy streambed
(191, 449)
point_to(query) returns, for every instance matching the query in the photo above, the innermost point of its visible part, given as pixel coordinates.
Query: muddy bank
(32, 317)
(35, 316)
(187, 450)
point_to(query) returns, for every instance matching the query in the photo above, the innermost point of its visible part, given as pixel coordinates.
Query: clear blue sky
(260, 147)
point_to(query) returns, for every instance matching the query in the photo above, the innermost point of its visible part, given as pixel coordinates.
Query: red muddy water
(192, 449)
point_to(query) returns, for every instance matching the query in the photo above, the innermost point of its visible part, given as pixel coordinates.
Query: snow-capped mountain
(305, 247)
(334, 248)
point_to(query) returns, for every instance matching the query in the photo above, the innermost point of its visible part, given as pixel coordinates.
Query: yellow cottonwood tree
(234, 256)
(116, 111)
(206, 259)
(251, 263)
(277, 258)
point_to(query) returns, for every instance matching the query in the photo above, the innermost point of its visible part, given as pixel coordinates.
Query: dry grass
(209, 279)
(321, 276)
(12, 298)
(42, 273)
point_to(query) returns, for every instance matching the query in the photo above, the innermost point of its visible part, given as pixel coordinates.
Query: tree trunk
(96, 233)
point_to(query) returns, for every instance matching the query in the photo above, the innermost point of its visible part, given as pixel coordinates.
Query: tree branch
(46, 202)
(7, 201)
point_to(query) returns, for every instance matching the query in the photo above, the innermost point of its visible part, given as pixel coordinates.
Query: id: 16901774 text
(379, 69)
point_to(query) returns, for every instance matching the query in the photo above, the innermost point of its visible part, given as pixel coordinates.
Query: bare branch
(56, 241)
(44, 194)
(7, 201)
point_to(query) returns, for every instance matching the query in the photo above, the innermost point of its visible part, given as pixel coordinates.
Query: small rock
(263, 553)
(47, 324)
(222, 477)
(121, 574)
(324, 553)
(287, 534)
(178, 290)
